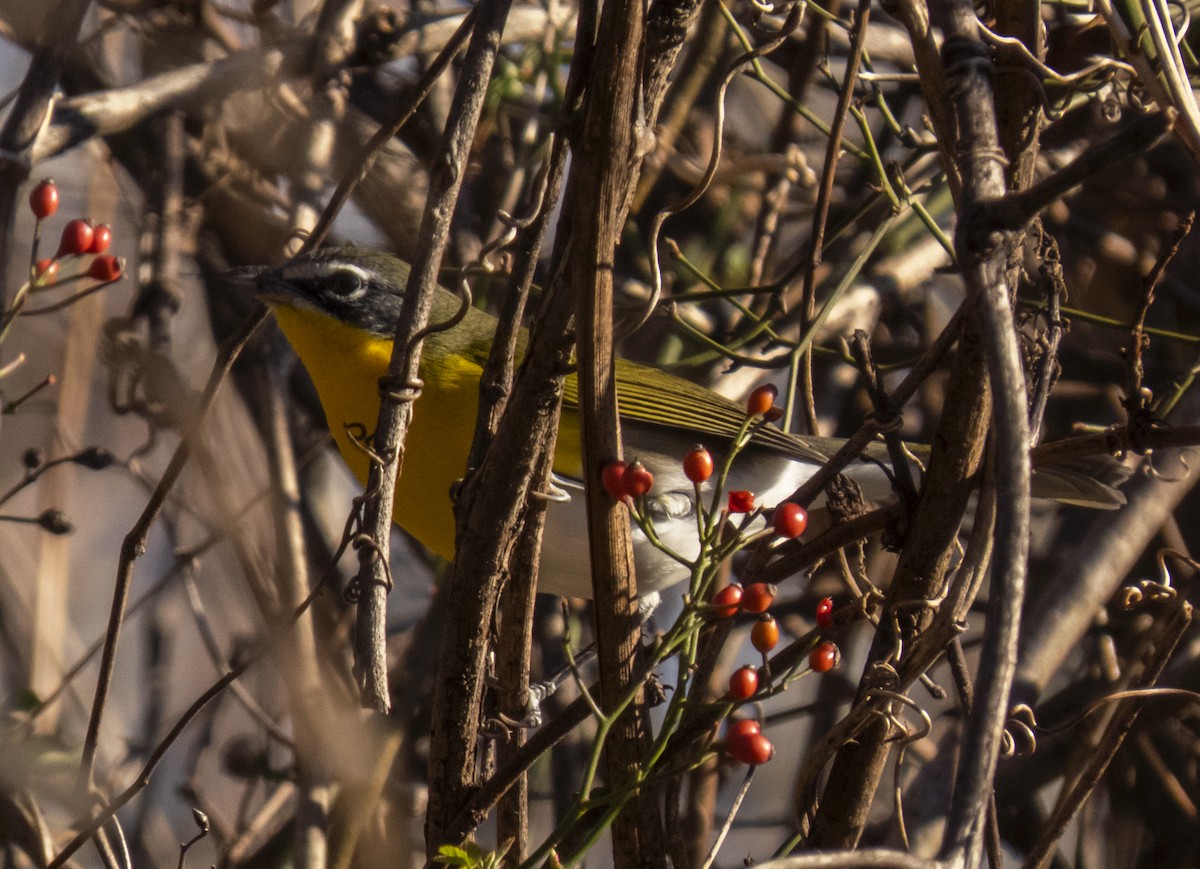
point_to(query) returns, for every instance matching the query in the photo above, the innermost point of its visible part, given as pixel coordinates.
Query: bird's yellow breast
(345, 365)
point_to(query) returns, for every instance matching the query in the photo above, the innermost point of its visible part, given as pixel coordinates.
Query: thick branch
(606, 158)
(983, 253)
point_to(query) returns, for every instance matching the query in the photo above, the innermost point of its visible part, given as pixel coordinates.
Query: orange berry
(101, 238)
(825, 613)
(741, 726)
(758, 596)
(76, 238)
(105, 268)
(698, 464)
(761, 400)
(764, 636)
(741, 501)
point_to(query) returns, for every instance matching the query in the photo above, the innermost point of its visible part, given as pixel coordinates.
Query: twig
(113, 806)
(1013, 211)
(704, 51)
(728, 825)
(202, 823)
(507, 480)
(11, 407)
(607, 158)
(865, 858)
(885, 415)
(699, 189)
(816, 243)
(452, 761)
(1137, 400)
(853, 447)
(1114, 441)
(110, 809)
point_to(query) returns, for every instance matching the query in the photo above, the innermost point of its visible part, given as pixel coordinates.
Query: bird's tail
(1087, 482)
(1082, 483)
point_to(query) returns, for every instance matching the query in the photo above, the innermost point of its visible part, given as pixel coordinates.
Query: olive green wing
(651, 396)
(648, 395)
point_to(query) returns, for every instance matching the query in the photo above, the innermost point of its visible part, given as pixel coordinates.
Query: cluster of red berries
(631, 480)
(79, 238)
(826, 655)
(788, 520)
(744, 740)
(764, 636)
(622, 480)
(756, 597)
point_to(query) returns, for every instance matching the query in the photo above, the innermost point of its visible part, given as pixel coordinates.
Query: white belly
(565, 568)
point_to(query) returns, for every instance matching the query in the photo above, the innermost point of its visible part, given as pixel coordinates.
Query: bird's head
(360, 287)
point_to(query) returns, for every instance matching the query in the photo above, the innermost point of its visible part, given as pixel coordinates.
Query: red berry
(789, 520)
(824, 657)
(741, 501)
(46, 270)
(758, 596)
(743, 683)
(638, 481)
(764, 636)
(761, 400)
(698, 464)
(105, 267)
(43, 199)
(101, 238)
(739, 726)
(725, 602)
(76, 238)
(751, 749)
(825, 613)
(775, 414)
(613, 477)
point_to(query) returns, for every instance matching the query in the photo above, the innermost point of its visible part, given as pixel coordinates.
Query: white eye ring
(345, 281)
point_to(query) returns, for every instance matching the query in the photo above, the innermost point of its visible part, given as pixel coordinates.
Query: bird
(338, 307)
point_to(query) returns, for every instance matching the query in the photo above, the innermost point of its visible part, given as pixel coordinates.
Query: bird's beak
(244, 279)
(263, 282)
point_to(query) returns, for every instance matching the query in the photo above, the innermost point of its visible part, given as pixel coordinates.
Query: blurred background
(204, 134)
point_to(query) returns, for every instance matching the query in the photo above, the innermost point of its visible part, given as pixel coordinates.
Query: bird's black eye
(345, 282)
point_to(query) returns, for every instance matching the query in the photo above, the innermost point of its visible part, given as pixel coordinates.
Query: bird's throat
(345, 365)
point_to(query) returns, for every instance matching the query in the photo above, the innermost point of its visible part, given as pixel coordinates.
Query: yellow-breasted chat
(338, 307)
